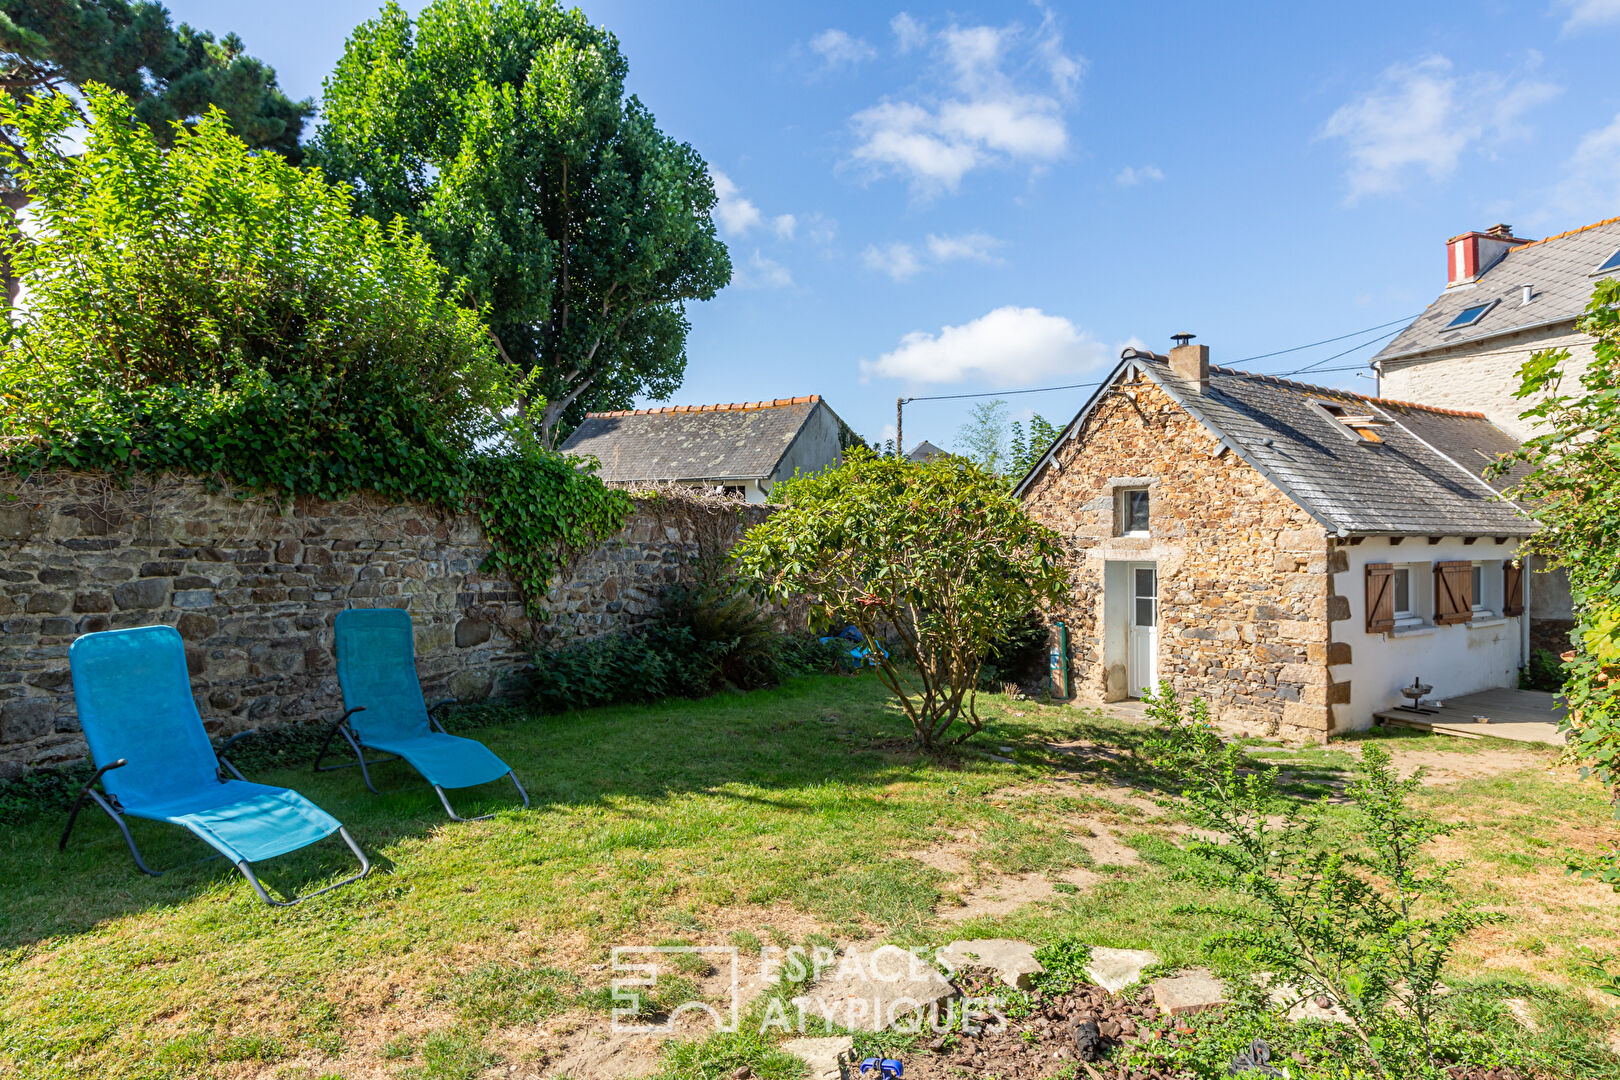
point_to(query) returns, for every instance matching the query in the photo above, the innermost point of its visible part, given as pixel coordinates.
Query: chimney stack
(1190, 362)
(1472, 253)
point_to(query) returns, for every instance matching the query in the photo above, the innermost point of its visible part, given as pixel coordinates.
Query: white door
(1144, 628)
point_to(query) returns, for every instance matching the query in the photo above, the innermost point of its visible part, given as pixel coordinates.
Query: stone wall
(1243, 586)
(253, 587)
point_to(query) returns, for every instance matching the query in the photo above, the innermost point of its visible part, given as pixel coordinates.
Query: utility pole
(899, 427)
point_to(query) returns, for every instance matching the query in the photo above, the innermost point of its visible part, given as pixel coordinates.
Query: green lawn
(772, 816)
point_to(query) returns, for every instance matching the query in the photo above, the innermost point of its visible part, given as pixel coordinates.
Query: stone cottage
(1293, 554)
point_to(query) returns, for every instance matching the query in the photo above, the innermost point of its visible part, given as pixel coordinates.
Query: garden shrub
(1545, 671)
(215, 311)
(937, 555)
(1365, 924)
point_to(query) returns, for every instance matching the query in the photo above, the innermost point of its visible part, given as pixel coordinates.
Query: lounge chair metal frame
(110, 805)
(342, 727)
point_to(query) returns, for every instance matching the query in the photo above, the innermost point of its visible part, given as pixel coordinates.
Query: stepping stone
(1306, 1009)
(873, 989)
(824, 1056)
(1115, 969)
(1013, 961)
(1195, 991)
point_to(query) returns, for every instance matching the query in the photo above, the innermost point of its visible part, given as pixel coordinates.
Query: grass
(773, 818)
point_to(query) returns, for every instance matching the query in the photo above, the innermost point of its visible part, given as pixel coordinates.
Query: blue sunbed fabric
(134, 701)
(376, 661)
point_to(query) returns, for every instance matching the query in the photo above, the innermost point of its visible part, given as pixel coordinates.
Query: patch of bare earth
(1443, 767)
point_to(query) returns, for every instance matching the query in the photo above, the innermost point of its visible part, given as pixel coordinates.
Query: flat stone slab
(872, 989)
(1013, 961)
(1115, 969)
(824, 1056)
(1192, 992)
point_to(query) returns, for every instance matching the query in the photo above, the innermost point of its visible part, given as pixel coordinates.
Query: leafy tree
(937, 553)
(983, 439)
(1573, 480)
(1365, 924)
(56, 48)
(211, 309)
(578, 226)
(1026, 451)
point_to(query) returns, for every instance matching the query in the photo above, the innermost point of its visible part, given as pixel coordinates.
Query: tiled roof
(742, 441)
(1558, 269)
(1424, 477)
(925, 451)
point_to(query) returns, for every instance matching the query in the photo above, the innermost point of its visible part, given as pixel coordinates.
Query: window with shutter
(1453, 592)
(1512, 588)
(1380, 598)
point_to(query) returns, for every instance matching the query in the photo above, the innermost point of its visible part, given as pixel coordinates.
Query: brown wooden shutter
(1380, 597)
(1453, 592)
(1512, 588)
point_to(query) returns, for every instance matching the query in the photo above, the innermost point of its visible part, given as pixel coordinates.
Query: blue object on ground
(883, 1066)
(155, 761)
(376, 662)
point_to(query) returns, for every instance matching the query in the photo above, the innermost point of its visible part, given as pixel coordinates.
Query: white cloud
(735, 213)
(897, 260)
(989, 105)
(1005, 347)
(783, 225)
(902, 261)
(839, 49)
(1589, 184)
(1584, 13)
(909, 33)
(1422, 117)
(973, 246)
(1131, 175)
(761, 273)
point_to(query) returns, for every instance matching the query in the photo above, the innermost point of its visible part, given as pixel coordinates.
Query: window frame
(1609, 264)
(1122, 511)
(1483, 309)
(1409, 615)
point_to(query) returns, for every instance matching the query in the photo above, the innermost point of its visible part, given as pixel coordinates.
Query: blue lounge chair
(154, 760)
(376, 662)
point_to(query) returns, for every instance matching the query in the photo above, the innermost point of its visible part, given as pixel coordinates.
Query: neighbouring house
(1291, 553)
(740, 449)
(925, 451)
(1506, 298)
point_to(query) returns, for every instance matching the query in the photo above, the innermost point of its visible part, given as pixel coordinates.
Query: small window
(1403, 594)
(1468, 316)
(1133, 512)
(1362, 424)
(1609, 265)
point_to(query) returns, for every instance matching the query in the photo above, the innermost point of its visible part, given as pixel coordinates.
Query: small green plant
(746, 941)
(1064, 964)
(1545, 671)
(1364, 925)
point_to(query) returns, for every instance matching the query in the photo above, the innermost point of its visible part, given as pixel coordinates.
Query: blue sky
(931, 199)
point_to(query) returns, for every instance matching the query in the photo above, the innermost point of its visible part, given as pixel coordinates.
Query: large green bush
(212, 310)
(938, 556)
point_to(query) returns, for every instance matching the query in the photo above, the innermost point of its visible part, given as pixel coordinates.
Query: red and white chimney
(1471, 254)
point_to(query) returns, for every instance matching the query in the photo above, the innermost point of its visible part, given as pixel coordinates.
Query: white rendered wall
(1484, 378)
(1464, 658)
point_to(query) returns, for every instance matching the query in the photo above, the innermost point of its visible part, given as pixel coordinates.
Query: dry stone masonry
(1244, 605)
(254, 585)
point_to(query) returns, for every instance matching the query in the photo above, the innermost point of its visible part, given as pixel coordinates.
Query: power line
(1247, 359)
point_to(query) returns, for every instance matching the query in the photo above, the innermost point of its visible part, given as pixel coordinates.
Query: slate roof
(1422, 479)
(743, 441)
(1559, 270)
(925, 451)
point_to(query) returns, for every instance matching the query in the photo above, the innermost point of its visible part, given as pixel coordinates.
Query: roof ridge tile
(735, 406)
(1278, 380)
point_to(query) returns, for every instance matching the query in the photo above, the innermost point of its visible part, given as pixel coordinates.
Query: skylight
(1609, 264)
(1468, 316)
